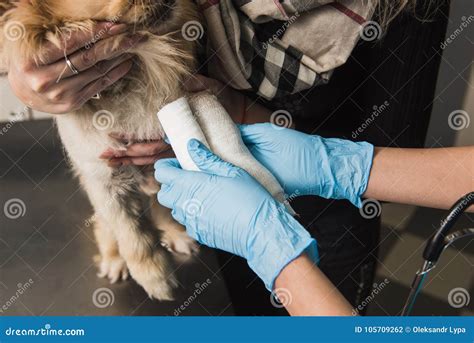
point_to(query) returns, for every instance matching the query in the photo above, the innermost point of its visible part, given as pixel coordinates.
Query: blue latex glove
(311, 165)
(224, 207)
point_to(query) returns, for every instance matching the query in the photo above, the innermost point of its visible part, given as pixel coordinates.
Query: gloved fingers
(172, 198)
(175, 197)
(167, 170)
(255, 133)
(166, 197)
(169, 197)
(208, 162)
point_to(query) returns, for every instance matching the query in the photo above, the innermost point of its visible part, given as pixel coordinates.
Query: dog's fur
(132, 230)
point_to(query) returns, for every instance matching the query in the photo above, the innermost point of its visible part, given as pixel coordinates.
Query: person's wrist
(282, 234)
(347, 169)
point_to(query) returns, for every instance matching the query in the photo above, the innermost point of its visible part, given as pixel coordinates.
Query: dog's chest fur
(85, 132)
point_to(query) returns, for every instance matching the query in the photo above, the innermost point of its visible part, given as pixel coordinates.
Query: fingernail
(106, 155)
(117, 28)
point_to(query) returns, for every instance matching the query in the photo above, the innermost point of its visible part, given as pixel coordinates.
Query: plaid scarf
(310, 39)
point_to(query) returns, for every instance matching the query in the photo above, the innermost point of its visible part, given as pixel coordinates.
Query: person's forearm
(425, 177)
(310, 293)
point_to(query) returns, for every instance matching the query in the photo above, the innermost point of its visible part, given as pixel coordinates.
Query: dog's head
(163, 60)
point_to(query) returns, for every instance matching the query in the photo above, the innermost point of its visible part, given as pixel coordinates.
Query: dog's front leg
(125, 207)
(175, 238)
(111, 264)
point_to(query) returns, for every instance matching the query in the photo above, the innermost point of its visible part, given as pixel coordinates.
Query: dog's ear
(4, 7)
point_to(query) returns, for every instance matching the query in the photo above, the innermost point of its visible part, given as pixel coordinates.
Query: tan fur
(131, 227)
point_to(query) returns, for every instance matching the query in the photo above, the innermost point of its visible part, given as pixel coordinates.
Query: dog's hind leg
(111, 265)
(126, 209)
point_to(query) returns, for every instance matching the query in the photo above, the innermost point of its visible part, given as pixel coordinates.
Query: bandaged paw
(202, 117)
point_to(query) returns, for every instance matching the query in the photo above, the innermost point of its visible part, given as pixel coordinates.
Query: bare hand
(53, 87)
(137, 153)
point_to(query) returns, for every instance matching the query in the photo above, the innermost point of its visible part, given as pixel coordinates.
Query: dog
(134, 233)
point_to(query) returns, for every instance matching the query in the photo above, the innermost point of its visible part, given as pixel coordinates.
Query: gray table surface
(46, 254)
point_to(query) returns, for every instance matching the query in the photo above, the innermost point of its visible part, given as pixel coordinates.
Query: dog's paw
(161, 291)
(179, 243)
(155, 274)
(112, 267)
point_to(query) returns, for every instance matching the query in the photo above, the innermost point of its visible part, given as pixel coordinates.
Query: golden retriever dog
(134, 233)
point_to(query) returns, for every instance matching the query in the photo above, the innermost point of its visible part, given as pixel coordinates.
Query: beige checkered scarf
(313, 38)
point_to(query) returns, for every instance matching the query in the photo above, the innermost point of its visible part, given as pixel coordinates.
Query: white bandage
(205, 119)
(180, 127)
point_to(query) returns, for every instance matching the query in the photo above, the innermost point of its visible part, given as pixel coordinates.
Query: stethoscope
(441, 239)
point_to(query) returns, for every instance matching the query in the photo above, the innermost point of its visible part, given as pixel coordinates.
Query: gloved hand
(311, 165)
(224, 207)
